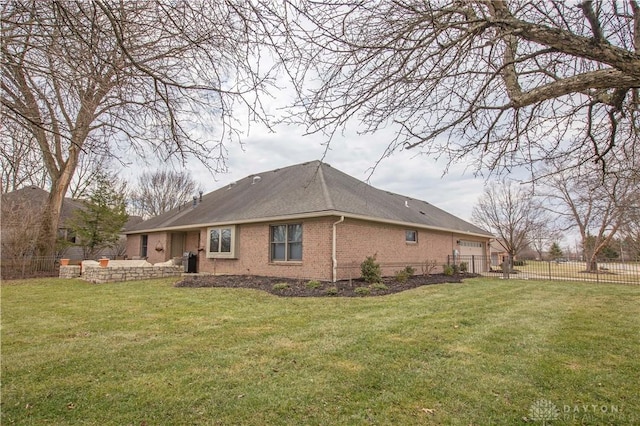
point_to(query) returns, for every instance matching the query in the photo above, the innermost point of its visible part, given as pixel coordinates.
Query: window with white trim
(286, 243)
(411, 236)
(221, 242)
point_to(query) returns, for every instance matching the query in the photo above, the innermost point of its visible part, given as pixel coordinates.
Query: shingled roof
(31, 200)
(304, 190)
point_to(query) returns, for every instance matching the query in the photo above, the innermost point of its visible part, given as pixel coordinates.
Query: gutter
(334, 259)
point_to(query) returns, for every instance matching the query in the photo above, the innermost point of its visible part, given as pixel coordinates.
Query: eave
(310, 215)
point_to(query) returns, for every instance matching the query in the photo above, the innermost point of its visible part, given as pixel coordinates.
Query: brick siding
(356, 239)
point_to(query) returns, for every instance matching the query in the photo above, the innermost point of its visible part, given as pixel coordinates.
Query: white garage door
(473, 253)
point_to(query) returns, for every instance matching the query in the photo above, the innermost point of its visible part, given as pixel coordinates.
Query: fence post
(549, 264)
(473, 263)
(505, 267)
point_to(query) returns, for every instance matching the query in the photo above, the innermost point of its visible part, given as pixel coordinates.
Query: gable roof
(304, 190)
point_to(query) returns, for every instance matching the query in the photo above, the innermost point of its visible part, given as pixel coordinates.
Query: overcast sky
(406, 173)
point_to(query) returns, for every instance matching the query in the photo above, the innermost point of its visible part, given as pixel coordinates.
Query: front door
(177, 244)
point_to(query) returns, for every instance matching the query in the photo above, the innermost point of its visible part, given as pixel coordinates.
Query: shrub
(378, 287)
(410, 270)
(314, 284)
(464, 267)
(428, 266)
(280, 286)
(332, 291)
(519, 263)
(370, 269)
(362, 291)
(402, 276)
(447, 270)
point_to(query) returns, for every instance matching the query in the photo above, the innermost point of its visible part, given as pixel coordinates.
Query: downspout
(334, 258)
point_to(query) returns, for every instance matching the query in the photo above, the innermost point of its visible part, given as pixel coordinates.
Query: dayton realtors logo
(546, 412)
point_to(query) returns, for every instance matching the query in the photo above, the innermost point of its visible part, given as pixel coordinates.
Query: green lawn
(478, 353)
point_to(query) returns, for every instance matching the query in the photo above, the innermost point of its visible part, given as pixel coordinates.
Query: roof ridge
(325, 189)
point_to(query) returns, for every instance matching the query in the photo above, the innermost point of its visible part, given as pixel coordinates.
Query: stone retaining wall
(98, 275)
(70, 271)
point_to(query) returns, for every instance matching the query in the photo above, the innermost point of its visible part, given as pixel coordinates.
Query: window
(411, 236)
(144, 242)
(470, 243)
(221, 242)
(286, 243)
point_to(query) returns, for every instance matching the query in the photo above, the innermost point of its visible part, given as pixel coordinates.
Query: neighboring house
(306, 221)
(21, 214)
(498, 253)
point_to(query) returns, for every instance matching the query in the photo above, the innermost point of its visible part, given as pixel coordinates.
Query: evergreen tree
(555, 251)
(608, 252)
(100, 224)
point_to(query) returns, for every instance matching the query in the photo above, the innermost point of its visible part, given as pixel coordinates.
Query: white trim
(415, 236)
(221, 255)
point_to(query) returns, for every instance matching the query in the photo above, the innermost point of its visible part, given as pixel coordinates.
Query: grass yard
(478, 353)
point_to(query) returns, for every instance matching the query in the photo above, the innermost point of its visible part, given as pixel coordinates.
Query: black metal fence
(604, 271)
(29, 267)
(467, 264)
(601, 271)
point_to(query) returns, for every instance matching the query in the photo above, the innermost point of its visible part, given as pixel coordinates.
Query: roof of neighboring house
(32, 198)
(304, 190)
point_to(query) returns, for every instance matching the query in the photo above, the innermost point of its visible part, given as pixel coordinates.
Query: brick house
(307, 221)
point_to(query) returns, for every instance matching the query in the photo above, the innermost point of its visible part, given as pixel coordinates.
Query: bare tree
(597, 206)
(20, 221)
(500, 83)
(544, 234)
(127, 78)
(91, 167)
(20, 162)
(630, 233)
(17, 236)
(510, 212)
(160, 191)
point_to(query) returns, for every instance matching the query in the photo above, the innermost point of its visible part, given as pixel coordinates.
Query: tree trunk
(48, 233)
(591, 260)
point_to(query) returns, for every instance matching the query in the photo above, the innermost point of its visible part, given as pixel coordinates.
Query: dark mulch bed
(304, 288)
